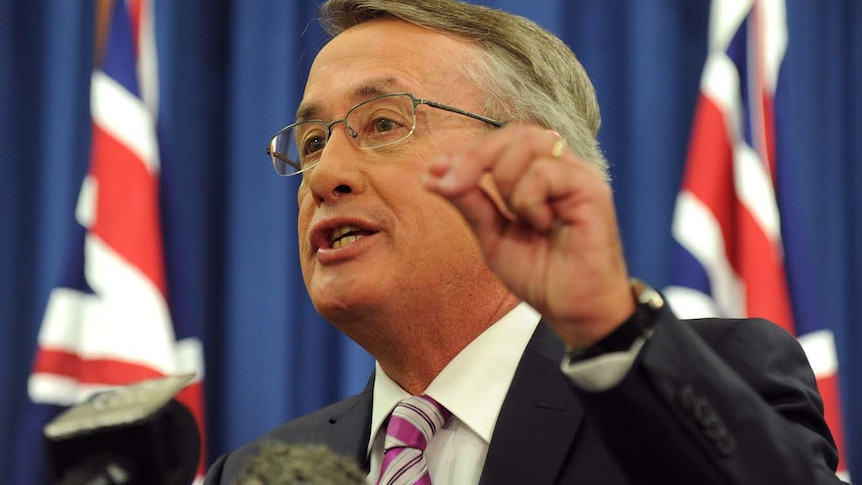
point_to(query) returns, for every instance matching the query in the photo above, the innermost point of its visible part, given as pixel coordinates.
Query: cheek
(303, 222)
(441, 226)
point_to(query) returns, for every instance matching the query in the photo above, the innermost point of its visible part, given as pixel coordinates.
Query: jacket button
(699, 408)
(726, 446)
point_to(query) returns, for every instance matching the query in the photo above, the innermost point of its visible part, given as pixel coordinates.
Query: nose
(337, 173)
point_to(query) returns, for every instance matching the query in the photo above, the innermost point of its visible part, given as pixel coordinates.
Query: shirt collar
(474, 384)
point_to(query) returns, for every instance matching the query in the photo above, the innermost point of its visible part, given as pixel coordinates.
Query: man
(453, 194)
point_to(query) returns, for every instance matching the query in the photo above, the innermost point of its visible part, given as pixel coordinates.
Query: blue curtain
(232, 72)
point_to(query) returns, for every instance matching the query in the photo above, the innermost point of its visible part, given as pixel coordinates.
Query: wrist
(648, 303)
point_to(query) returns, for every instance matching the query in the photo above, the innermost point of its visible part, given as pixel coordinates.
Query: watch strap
(648, 304)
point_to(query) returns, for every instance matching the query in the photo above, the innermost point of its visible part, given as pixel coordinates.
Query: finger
(531, 145)
(478, 206)
(534, 199)
(461, 171)
(495, 165)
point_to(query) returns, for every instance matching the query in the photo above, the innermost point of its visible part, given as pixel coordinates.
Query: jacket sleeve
(717, 402)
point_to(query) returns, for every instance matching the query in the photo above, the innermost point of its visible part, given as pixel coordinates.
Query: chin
(346, 304)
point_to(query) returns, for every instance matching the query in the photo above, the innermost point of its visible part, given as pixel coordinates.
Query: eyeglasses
(376, 123)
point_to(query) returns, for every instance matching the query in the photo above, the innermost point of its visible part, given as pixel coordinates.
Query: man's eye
(313, 144)
(382, 125)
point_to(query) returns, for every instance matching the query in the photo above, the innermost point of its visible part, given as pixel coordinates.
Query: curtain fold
(232, 73)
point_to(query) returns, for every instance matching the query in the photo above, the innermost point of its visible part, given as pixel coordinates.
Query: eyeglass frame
(328, 127)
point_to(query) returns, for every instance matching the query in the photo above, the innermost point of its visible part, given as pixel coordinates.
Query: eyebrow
(366, 90)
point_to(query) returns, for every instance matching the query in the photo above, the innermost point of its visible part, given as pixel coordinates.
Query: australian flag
(107, 323)
(733, 229)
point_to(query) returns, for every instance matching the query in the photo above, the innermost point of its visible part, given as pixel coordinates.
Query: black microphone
(279, 463)
(130, 435)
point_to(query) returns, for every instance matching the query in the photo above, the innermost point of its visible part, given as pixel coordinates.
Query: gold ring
(558, 148)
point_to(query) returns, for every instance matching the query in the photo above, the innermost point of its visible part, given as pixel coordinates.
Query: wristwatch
(648, 304)
(646, 296)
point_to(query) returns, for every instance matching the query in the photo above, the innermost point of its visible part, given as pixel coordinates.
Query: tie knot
(413, 422)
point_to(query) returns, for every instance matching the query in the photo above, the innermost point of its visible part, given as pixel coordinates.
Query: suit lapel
(350, 428)
(538, 420)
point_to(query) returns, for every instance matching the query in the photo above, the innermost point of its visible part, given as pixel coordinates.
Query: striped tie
(412, 424)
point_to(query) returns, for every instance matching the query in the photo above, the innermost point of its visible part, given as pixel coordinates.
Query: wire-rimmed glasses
(376, 123)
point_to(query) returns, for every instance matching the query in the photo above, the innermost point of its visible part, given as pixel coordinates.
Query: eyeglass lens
(374, 123)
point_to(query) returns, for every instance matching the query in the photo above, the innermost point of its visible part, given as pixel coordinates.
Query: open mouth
(345, 235)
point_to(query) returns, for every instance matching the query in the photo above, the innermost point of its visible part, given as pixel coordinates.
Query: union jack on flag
(730, 258)
(107, 323)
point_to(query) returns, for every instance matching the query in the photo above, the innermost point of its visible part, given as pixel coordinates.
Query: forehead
(384, 56)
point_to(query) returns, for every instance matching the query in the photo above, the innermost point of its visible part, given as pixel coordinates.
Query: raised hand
(546, 222)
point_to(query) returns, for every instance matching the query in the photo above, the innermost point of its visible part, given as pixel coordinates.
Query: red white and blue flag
(107, 323)
(730, 227)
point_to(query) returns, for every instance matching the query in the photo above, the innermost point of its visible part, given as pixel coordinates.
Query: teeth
(338, 238)
(340, 231)
(344, 241)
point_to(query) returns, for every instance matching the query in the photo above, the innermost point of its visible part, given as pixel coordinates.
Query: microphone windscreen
(279, 463)
(138, 432)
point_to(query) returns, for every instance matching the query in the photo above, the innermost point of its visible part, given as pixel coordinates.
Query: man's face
(405, 248)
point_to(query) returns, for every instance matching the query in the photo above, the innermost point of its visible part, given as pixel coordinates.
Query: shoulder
(749, 339)
(713, 330)
(755, 348)
(307, 428)
(313, 428)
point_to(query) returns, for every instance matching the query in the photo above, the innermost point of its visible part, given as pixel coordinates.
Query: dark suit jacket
(706, 402)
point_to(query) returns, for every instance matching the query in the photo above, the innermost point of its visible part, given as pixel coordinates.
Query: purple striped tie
(411, 425)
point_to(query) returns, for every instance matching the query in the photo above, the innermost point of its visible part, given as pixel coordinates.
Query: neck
(414, 347)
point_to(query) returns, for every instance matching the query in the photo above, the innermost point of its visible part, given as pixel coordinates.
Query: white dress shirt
(472, 386)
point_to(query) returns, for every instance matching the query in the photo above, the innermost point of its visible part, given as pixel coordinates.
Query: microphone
(130, 435)
(279, 463)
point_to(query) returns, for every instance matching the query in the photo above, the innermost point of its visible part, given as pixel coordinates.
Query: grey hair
(527, 74)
